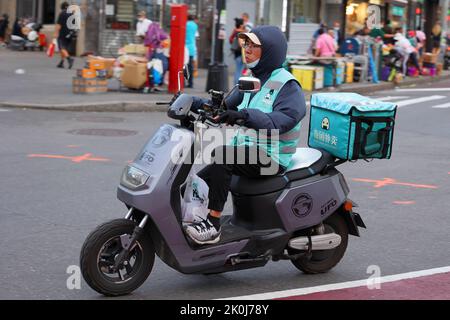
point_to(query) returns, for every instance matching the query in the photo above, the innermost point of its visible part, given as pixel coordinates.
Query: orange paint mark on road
(404, 202)
(78, 159)
(72, 146)
(390, 181)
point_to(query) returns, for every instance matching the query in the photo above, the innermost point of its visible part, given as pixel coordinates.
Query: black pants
(191, 72)
(413, 60)
(240, 161)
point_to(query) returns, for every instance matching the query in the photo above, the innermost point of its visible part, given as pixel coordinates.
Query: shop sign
(119, 25)
(398, 11)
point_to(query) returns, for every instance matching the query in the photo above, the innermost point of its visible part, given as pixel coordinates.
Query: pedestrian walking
(191, 45)
(64, 35)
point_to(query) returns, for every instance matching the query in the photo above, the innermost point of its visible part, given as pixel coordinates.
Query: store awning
(397, 2)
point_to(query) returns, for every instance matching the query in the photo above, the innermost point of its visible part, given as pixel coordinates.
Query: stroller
(30, 41)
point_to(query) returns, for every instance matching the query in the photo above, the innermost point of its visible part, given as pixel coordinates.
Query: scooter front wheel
(324, 260)
(100, 251)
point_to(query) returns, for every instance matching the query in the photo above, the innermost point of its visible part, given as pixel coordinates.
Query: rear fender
(352, 219)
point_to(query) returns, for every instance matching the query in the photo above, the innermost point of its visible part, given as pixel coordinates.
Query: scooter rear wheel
(100, 250)
(324, 260)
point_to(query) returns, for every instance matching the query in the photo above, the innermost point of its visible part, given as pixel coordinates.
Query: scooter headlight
(133, 178)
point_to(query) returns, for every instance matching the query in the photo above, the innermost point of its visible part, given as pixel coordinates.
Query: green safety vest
(279, 148)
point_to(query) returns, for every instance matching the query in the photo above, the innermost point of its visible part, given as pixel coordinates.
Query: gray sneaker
(203, 232)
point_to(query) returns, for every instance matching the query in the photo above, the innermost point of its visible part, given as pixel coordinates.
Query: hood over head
(273, 51)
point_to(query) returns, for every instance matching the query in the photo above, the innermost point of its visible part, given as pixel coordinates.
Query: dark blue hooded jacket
(289, 107)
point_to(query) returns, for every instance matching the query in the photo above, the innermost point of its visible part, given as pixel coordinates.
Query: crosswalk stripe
(390, 98)
(422, 90)
(442, 106)
(408, 102)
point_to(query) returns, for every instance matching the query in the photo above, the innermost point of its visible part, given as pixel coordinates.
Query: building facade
(110, 24)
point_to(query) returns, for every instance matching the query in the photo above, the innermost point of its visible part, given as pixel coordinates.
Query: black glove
(231, 117)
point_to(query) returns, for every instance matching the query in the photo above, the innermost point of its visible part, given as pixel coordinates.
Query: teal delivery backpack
(351, 126)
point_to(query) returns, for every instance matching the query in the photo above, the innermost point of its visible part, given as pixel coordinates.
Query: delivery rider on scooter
(279, 105)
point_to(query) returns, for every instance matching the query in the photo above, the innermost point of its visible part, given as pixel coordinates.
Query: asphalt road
(57, 185)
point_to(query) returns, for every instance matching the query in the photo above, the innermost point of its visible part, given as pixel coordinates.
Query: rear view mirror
(249, 84)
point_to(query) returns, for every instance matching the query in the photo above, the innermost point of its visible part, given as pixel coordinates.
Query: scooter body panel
(165, 158)
(306, 203)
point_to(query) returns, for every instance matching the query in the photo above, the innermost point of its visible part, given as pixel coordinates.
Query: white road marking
(338, 286)
(442, 106)
(408, 102)
(4, 110)
(423, 89)
(389, 98)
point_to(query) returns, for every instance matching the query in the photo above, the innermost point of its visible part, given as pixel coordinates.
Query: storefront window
(415, 16)
(356, 15)
(305, 11)
(357, 12)
(397, 14)
(120, 14)
(48, 16)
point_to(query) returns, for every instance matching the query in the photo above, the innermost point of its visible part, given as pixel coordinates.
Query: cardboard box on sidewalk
(100, 63)
(82, 85)
(138, 49)
(86, 73)
(430, 57)
(134, 74)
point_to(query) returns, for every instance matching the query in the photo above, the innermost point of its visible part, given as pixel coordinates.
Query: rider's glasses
(250, 45)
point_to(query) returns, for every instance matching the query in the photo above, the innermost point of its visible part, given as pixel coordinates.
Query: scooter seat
(306, 162)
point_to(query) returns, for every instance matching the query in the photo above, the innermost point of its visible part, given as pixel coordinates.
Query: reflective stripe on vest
(279, 147)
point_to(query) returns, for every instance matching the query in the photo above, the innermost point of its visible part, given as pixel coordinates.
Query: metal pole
(217, 70)
(444, 12)
(344, 22)
(214, 35)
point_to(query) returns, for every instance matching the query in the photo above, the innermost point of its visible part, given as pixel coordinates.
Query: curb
(151, 106)
(91, 107)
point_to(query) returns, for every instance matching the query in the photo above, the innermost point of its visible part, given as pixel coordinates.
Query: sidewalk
(43, 86)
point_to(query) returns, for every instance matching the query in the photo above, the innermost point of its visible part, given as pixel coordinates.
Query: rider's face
(252, 51)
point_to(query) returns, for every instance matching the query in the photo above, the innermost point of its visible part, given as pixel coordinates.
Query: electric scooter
(303, 215)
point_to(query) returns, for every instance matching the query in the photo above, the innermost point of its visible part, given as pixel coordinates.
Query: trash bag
(195, 200)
